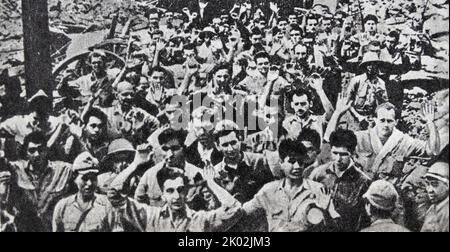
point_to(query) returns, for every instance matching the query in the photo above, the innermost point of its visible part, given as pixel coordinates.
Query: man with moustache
(125, 120)
(42, 182)
(202, 151)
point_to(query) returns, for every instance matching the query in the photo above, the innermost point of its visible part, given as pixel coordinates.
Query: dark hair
(169, 174)
(95, 112)
(282, 19)
(221, 66)
(256, 31)
(394, 34)
(275, 30)
(156, 32)
(311, 17)
(151, 11)
(312, 136)
(344, 138)
(34, 137)
(298, 92)
(371, 17)
(152, 70)
(224, 128)
(296, 27)
(261, 55)
(171, 134)
(190, 46)
(289, 148)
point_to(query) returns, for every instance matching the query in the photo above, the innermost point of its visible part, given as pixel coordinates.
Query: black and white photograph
(237, 116)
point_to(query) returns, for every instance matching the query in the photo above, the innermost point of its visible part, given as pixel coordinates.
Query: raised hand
(343, 103)
(209, 173)
(429, 112)
(323, 199)
(144, 154)
(274, 7)
(316, 81)
(273, 76)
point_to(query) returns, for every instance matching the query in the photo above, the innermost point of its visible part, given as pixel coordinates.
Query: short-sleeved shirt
(367, 94)
(284, 214)
(68, 215)
(158, 219)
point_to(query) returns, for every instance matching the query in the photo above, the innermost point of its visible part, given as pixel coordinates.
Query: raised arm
(317, 83)
(433, 145)
(342, 106)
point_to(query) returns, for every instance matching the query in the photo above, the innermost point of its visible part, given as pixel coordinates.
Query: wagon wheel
(117, 46)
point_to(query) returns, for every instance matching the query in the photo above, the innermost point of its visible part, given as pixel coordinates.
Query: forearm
(332, 125)
(225, 198)
(123, 177)
(433, 145)
(267, 92)
(156, 59)
(184, 85)
(327, 106)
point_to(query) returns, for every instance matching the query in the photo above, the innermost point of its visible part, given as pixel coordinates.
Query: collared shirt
(436, 219)
(385, 225)
(132, 125)
(367, 94)
(68, 214)
(347, 191)
(22, 125)
(285, 214)
(148, 189)
(45, 189)
(393, 154)
(245, 179)
(88, 85)
(159, 219)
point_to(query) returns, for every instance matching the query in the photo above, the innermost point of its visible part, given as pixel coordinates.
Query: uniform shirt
(68, 214)
(44, 189)
(284, 214)
(436, 219)
(385, 225)
(347, 187)
(148, 190)
(158, 219)
(367, 94)
(22, 125)
(254, 85)
(88, 85)
(387, 160)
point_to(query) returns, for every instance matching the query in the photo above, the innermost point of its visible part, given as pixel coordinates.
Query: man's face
(293, 19)
(385, 122)
(222, 77)
(173, 153)
(437, 190)
(4, 188)
(36, 153)
(341, 157)
(87, 184)
(256, 40)
(326, 25)
(157, 78)
(261, 25)
(189, 54)
(229, 145)
(126, 96)
(313, 152)
(121, 160)
(153, 19)
(169, 17)
(293, 167)
(142, 88)
(391, 43)
(311, 26)
(262, 64)
(301, 53)
(97, 64)
(370, 26)
(373, 69)
(174, 194)
(203, 129)
(94, 128)
(300, 105)
(282, 25)
(295, 36)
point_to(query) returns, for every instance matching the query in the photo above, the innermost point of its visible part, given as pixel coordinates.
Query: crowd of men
(237, 119)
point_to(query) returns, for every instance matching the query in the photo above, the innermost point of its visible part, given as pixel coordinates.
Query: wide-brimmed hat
(382, 195)
(371, 58)
(118, 146)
